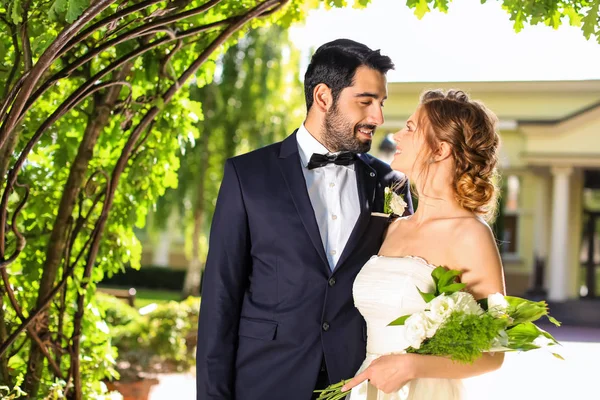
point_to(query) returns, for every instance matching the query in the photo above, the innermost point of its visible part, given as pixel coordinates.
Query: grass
(143, 297)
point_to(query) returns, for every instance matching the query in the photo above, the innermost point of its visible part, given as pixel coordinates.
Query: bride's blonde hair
(470, 130)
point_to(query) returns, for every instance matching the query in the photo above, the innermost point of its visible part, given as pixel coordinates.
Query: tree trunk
(4, 376)
(6, 155)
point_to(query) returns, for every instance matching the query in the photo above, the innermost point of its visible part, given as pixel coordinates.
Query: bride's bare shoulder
(474, 228)
(396, 224)
(475, 250)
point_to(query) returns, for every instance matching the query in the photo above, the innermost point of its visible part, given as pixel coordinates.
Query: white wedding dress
(385, 289)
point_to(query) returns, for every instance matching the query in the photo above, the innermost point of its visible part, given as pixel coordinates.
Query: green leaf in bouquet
(426, 296)
(399, 321)
(525, 347)
(483, 303)
(553, 320)
(448, 277)
(437, 274)
(333, 392)
(452, 288)
(522, 336)
(462, 337)
(558, 356)
(523, 310)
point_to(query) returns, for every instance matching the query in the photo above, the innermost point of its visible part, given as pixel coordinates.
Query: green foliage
(523, 310)
(6, 393)
(581, 13)
(162, 341)
(462, 337)
(67, 10)
(172, 332)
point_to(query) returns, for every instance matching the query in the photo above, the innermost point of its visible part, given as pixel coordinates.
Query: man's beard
(341, 135)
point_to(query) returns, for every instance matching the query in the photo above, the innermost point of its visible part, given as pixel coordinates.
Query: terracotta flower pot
(133, 390)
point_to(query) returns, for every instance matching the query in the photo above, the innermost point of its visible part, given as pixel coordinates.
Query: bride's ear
(442, 152)
(322, 97)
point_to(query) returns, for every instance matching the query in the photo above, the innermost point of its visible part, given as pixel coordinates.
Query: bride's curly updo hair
(470, 130)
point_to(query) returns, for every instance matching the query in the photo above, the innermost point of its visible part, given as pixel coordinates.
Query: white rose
(417, 327)
(466, 303)
(497, 305)
(440, 308)
(397, 204)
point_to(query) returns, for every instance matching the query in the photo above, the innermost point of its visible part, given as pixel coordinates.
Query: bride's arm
(474, 250)
(477, 256)
(390, 373)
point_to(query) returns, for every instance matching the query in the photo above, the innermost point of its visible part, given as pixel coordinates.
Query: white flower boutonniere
(394, 203)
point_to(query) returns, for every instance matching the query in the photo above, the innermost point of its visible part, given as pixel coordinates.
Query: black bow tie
(321, 160)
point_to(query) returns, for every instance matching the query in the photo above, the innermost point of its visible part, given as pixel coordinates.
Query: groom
(292, 227)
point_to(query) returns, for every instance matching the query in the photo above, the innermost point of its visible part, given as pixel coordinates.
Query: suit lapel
(291, 168)
(366, 180)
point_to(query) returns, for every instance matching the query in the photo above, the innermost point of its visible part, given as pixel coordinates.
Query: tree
(581, 13)
(92, 117)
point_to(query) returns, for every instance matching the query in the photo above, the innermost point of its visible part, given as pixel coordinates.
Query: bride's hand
(387, 373)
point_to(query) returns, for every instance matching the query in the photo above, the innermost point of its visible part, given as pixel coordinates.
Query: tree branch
(165, 62)
(35, 313)
(103, 22)
(20, 244)
(44, 62)
(77, 322)
(10, 293)
(12, 175)
(16, 62)
(10, 97)
(132, 34)
(276, 8)
(27, 56)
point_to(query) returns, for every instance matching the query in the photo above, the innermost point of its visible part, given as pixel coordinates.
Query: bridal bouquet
(457, 326)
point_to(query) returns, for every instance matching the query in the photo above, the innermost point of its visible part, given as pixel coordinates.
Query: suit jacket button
(331, 281)
(372, 174)
(325, 326)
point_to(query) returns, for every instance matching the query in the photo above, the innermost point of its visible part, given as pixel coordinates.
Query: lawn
(143, 297)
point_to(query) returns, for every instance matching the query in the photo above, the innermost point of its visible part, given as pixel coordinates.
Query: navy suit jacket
(271, 307)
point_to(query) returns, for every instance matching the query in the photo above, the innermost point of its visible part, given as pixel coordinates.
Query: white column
(559, 251)
(541, 217)
(162, 249)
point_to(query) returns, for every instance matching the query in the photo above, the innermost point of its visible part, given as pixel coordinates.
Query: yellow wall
(509, 100)
(512, 145)
(581, 137)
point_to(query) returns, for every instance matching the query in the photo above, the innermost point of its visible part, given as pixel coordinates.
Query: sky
(472, 42)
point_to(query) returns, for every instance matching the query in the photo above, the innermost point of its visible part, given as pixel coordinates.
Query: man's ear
(322, 97)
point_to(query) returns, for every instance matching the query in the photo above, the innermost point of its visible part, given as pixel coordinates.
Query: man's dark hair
(335, 64)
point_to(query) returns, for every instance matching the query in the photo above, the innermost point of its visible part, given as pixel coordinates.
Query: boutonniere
(394, 203)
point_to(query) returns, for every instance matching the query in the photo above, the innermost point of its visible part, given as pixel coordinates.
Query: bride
(448, 149)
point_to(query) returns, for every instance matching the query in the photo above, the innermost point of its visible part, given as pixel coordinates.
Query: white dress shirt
(333, 194)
